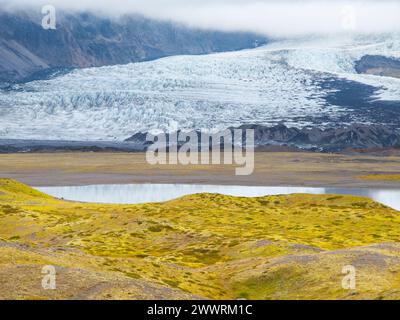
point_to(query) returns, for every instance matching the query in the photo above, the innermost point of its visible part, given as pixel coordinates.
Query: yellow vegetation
(199, 246)
(381, 177)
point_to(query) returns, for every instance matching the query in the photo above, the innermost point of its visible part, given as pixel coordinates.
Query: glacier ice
(266, 85)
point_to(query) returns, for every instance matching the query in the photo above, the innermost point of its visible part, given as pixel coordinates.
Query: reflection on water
(142, 193)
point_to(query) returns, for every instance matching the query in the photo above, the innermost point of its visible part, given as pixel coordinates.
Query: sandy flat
(271, 169)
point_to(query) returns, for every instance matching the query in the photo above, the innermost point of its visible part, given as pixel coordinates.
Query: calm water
(142, 193)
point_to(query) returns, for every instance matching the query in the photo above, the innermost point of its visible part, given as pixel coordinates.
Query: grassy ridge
(199, 246)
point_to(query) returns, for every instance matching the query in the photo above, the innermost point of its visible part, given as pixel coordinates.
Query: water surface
(143, 193)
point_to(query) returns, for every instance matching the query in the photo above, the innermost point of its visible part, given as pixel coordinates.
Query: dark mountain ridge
(87, 40)
(354, 136)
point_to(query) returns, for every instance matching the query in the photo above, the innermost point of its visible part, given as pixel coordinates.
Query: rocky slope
(379, 65)
(87, 40)
(356, 136)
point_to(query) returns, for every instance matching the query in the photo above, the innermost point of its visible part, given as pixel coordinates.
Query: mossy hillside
(209, 245)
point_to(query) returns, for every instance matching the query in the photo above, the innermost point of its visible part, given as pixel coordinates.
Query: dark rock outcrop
(359, 136)
(355, 136)
(379, 65)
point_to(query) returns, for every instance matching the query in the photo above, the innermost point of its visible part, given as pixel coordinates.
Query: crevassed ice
(339, 55)
(264, 86)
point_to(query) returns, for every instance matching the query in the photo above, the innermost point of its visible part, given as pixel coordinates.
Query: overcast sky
(273, 18)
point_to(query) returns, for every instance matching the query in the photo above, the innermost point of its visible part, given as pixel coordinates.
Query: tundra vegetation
(199, 246)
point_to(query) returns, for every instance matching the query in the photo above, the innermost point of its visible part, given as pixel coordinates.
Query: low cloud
(272, 18)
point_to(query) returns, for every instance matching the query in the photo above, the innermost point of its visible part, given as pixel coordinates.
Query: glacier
(279, 82)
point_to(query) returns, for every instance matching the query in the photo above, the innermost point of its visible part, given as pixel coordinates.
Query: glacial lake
(143, 193)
